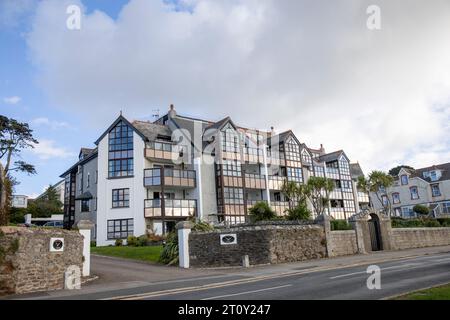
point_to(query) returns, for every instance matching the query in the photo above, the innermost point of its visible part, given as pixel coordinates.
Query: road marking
(247, 292)
(254, 279)
(382, 269)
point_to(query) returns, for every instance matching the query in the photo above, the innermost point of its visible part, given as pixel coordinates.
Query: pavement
(335, 278)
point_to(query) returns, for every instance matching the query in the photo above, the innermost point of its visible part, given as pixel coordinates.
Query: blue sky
(310, 66)
(65, 130)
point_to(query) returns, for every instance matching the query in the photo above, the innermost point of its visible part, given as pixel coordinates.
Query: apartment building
(428, 186)
(150, 175)
(19, 201)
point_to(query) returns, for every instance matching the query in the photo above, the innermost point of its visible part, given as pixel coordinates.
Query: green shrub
(169, 254)
(202, 226)
(445, 222)
(141, 241)
(118, 243)
(132, 241)
(93, 244)
(421, 210)
(301, 212)
(337, 225)
(432, 224)
(262, 212)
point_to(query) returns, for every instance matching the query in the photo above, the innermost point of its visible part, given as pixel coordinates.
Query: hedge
(420, 223)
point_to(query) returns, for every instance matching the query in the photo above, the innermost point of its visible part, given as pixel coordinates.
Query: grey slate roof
(333, 156)
(445, 168)
(151, 130)
(355, 170)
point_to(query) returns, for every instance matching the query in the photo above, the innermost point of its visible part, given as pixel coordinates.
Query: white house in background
(59, 189)
(428, 186)
(19, 201)
(144, 177)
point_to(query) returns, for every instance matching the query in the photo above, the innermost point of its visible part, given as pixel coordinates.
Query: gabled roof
(444, 168)
(151, 131)
(355, 170)
(85, 152)
(120, 118)
(333, 156)
(86, 159)
(220, 124)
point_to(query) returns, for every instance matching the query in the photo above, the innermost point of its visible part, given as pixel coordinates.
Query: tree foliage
(378, 183)
(46, 205)
(421, 209)
(394, 171)
(318, 190)
(15, 136)
(261, 211)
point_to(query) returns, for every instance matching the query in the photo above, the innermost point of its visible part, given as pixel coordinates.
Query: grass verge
(437, 293)
(149, 254)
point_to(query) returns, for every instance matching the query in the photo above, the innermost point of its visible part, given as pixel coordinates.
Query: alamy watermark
(374, 280)
(374, 18)
(72, 278)
(73, 21)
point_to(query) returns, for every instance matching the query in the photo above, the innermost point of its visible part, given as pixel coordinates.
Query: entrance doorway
(375, 233)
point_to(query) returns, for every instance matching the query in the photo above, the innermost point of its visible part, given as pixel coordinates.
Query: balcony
(174, 178)
(258, 182)
(162, 151)
(153, 208)
(363, 197)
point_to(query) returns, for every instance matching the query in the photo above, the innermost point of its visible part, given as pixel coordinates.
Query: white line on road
(247, 292)
(382, 269)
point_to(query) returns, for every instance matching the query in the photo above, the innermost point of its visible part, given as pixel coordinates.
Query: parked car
(55, 224)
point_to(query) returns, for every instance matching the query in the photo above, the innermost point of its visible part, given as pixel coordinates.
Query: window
(295, 174)
(306, 158)
(384, 200)
(433, 176)
(230, 141)
(446, 207)
(120, 229)
(404, 179)
(85, 206)
(407, 212)
(232, 168)
(414, 193)
(120, 151)
(435, 190)
(344, 166)
(346, 184)
(396, 198)
(233, 195)
(88, 180)
(292, 151)
(277, 196)
(121, 198)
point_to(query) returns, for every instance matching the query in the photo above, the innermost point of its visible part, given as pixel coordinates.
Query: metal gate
(375, 236)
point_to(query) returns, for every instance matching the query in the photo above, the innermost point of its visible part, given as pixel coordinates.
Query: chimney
(172, 113)
(322, 149)
(272, 131)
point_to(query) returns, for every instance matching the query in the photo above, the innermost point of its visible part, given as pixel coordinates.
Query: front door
(375, 233)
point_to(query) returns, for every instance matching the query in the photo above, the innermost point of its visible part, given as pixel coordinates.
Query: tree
(394, 171)
(262, 212)
(47, 205)
(297, 196)
(14, 137)
(318, 191)
(378, 183)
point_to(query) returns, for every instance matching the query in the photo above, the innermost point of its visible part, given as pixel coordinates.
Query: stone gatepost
(324, 220)
(85, 227)
(184, 229)
(359, 225)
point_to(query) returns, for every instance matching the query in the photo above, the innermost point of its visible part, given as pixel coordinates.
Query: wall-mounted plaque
(56, 244)
(228, 239)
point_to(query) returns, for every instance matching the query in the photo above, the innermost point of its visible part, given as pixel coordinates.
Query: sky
(311, 66)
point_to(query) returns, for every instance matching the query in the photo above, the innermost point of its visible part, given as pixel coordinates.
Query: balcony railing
(363, 197)
(255, 181)
(172, 208)
(169, 177)
(162, 151)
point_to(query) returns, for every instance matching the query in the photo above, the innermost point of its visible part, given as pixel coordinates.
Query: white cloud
(12, 100)
(312, 66)
(46, 149)
(54, 125)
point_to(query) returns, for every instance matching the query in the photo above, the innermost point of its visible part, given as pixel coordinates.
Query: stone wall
(26, 263)
(343, 243)
(265, 244)
(406, 238)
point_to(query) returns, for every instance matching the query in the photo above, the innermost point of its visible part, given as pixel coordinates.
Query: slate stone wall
(26, 263)
(264, 244)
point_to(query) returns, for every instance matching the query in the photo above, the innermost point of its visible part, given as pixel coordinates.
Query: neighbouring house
(144, 177)
(19, 201)
(428, 186)
(59, 189)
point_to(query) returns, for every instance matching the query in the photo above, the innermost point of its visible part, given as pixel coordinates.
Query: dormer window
(433, 176)
(404, 180)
